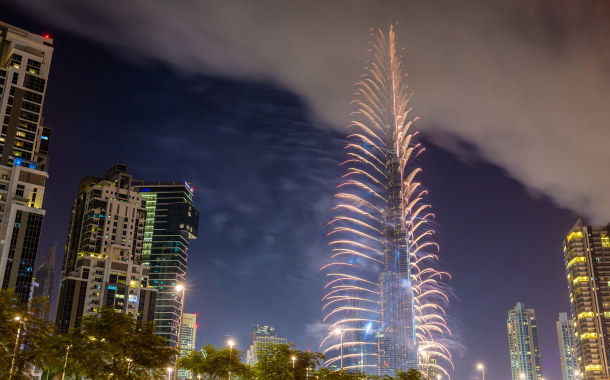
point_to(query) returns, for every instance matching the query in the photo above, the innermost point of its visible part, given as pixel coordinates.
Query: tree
(275, 362)
(411, 374)
(25, 337)
(114, 346)
(212, 363)
(325, 373)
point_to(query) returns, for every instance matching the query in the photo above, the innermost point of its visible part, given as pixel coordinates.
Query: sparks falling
(382, 297)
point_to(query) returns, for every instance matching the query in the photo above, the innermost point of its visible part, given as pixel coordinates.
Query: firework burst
(382, 295)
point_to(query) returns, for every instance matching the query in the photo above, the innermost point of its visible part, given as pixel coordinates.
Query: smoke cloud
(525, 83)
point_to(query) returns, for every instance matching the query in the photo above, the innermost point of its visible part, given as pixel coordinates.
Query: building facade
(44, 277)
(251, 358)
(259, 330)
(523, 344)
(25, 60)
(102, 263)
(187, 340)
(567, 347)
(171, 222)
(587, 259)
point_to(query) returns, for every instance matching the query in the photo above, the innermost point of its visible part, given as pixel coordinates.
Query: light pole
(438, 377)
(230, 356)
(340, 331)
(128, 360)
(180, 288)
(522, 375)
(482, 369)
(66, 361)
(169, 373)
(10, 375)
(293, 360)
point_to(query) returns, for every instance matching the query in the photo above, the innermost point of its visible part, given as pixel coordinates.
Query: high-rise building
(259, 330)
(171, 222)
(586, 252)
(102, 263)
(523, 344)
(251, 358)
(187, 339)
(25, 60)
(567, 347)
(44, 276)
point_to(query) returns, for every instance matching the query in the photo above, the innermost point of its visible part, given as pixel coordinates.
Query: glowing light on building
(382, 296)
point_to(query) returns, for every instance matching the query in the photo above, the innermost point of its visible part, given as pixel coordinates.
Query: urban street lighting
(230, 356)
(169, 372)
(179, 288)
(17, 318)
(128, 360)
(482, 369)
(66, 361)
(438, 377)
(522, 375)
(340, 331)
(293, 360)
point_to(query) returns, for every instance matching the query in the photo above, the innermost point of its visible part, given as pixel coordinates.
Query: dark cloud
(526, 83)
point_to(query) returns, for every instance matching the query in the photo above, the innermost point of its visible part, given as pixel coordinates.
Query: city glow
(380, 139)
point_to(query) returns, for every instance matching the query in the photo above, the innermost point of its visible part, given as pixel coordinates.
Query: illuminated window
(605, 240)
(588, 336)
(586, 315)
(593, 367)
(580, 279)
(575, 234)
(580, 259)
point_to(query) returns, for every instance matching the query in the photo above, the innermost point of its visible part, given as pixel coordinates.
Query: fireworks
(381, 293)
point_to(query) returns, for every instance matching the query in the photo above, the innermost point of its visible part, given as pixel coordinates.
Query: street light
(169, 372)
(17, 318)
(438, 377)
(230, 356)
(179, 288)
(293, 360)
(66, 361)
(340, 331)
(522, 375)
(482, 369)
(128, 360)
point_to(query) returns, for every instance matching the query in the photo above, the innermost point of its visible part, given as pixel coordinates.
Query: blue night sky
(262, 151)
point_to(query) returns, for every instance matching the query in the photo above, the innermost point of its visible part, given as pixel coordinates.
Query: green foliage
(114, 346)
(411, 374)
(329, 374)
(211, 363)
(275, 362)
(34, 347)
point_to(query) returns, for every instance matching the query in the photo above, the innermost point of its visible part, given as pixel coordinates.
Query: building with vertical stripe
(25, 61)
(523, 344)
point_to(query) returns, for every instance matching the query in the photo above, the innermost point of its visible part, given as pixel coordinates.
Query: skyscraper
(187, 339)
(261, 335)
(567, 347)
(586, 252)
(102, 263)
(381, 293)
(45, 277)
(25, 60)
(171, 222)
(523, 344)
(259, 330)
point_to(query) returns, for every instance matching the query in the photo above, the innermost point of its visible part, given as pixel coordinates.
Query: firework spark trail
(379, 186)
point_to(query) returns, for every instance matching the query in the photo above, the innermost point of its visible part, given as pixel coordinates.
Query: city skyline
(533, 223)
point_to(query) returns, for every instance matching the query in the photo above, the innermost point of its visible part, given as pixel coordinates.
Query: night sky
(262, 150)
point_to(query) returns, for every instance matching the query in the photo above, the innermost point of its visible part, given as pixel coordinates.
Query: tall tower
(586, 252)
(25, 60)
(523, 344)
(397, 343)
(382, 297)
(567, 347)
(102, 263)
(171, 222)
(187, 340)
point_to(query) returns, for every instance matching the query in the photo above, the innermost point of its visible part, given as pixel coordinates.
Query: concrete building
(25, 60)
(567, 347)
(523, 344)
(259, 330)
(586, 252)
(187, 340)
(251, 353)
(171, 222)
(102, 263)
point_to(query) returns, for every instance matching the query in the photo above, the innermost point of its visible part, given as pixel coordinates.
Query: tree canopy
(212, 363)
